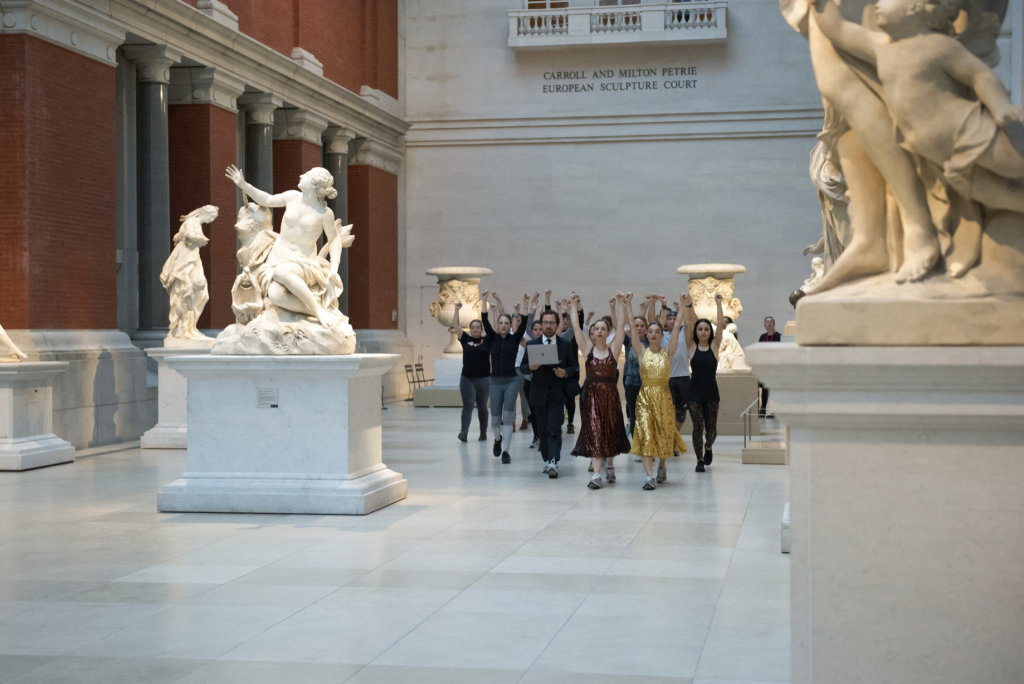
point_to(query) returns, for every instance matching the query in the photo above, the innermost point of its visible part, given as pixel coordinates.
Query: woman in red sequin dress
(603, 430)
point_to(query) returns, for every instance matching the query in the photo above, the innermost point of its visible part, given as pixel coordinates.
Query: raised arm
(619, 323)
(581, 339)
(716, 344)
(497, 303)
(456, 324)
(264, 199)
(634, 336)
(689, 317)
(663, 313)
(853, 38)
(673, 343)
(547, 300)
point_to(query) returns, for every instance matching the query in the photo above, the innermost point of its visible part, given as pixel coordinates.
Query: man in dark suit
(547, 393)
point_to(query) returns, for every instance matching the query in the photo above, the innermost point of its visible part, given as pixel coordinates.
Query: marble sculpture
(286, 298)
(731, 356)
(13, 353)
(927, 142)
(183, 278)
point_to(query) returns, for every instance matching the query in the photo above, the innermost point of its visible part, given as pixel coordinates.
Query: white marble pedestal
(26, 416)
(284, 434)
(907, 512)
(171, 429)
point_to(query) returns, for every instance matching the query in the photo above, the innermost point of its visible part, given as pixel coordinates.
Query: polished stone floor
(485, 574)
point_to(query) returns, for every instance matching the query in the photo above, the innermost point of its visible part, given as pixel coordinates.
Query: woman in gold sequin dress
(655, 434)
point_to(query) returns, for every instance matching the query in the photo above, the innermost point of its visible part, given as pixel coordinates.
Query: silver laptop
(542, 354)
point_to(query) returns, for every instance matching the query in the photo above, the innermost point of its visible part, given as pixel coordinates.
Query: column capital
(205, 85)
(153, 62)
(378, 155)
(259, 107)
(337, 138)
(299, 124)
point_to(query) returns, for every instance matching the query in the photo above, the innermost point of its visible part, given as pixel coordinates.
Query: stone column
(153, 73)
(336, 141)
(298, 147)
(259, 138)
(202, 123)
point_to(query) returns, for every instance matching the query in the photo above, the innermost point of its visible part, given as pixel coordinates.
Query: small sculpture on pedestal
(297, 285)
(183, 278)
(13, 353)
(730, 355)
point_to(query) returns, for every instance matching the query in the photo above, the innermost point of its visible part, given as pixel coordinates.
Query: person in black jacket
(475, 383)
(504, 383)
(548, 393)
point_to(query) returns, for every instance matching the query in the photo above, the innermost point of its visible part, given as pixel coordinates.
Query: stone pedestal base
(171, 430)
(283, 434)
(737, 389)
(445, 390)
(26, 416)
(907, 477)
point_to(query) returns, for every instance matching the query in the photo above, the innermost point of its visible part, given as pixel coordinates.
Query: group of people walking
(667, 375)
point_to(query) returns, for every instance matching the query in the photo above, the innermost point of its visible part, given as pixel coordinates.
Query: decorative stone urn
(707, 280)
(457, 284)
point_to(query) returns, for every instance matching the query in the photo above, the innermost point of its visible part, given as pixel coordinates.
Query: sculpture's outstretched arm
(853, 38)
(264, 199)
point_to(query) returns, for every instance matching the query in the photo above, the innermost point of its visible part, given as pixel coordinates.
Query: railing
(745, 417)
(543, 23)
(700, 20)
(697, 17)
(608, 22)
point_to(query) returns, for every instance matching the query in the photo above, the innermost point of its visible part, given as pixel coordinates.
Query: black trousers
(764, 398)
(549, 419)
(632, 392)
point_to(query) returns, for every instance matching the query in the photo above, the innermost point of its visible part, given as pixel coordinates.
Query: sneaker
(609, 474)
(595, 482)
(649, 483)
(571, 430)
(547, 466)
(535, 443)
(700, 466)
(505, 458)
(591, 468)
(462, 436)
(636, 458)
(553, 471)
(662, 476)
(708, 456)
(525, 424)
(483, 436)
(497, 447)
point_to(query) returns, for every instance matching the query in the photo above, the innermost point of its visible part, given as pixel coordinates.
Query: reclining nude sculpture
(929, 144)
(297, 286)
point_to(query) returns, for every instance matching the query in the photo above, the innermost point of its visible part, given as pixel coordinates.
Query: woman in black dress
(703, 397)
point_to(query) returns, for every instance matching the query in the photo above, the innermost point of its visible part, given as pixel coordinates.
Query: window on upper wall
(613, 3)
(547, 4)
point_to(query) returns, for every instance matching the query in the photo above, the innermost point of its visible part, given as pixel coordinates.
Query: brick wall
(373, 259)
(292, 158)
(202, 145)
(57, 188)
(356, 40)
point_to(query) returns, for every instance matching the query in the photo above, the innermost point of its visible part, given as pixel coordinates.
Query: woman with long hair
(703, 397)
(475, 382)
(602, 431)
(504, 347)
(655, 434)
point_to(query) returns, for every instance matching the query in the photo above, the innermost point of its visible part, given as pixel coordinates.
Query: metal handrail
(745, 416)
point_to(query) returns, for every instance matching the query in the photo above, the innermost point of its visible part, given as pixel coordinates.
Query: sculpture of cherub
(183, 277)
(922, 69)
(295, 277)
